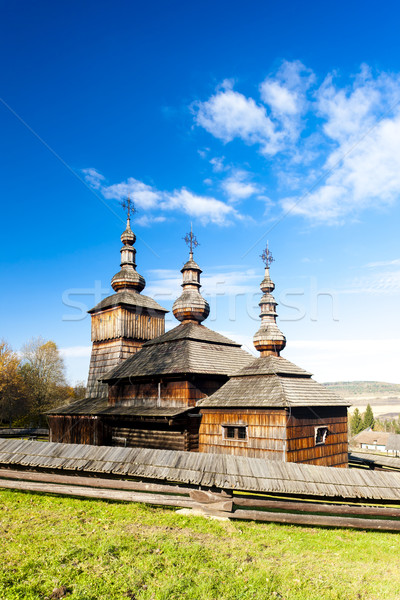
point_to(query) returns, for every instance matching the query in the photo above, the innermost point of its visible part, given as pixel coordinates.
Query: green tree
(43, 371)
(356, 422)
(369, 420)
(12, 389)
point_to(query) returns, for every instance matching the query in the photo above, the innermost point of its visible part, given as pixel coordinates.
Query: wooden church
(192, 388)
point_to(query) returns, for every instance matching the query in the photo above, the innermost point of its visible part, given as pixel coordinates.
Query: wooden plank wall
(120, 322)
(171, 393)
(266, 432)
(77, 429)
(301, 436)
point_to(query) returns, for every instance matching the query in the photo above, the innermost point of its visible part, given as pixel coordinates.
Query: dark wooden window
(230, 432)
(234, 432)
(241, 433)
(320, 435)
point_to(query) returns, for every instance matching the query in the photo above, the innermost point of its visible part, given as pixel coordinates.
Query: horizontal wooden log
(117, 495)
(86, 492)
(207, 497)
(316, 520)
(311, 507)
(114, 484)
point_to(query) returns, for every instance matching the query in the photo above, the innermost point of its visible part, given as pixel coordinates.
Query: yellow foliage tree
(12, 388)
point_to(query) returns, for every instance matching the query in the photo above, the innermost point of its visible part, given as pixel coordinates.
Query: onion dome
(128, 278)
(191, 306)
(269, 339)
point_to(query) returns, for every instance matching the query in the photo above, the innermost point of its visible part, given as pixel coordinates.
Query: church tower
(122, 322)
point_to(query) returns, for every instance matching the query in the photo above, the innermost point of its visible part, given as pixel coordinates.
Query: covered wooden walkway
(204, 471)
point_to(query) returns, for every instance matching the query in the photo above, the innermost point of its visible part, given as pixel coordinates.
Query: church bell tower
(121, 323)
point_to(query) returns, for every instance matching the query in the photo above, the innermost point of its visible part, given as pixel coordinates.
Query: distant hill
(364, 388)
(384, 398)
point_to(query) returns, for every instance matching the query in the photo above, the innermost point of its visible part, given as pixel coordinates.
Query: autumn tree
(12, 389)
(44, 374)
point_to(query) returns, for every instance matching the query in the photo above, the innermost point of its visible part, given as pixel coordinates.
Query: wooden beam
(114, 484)
(310, 507)
(315, 520)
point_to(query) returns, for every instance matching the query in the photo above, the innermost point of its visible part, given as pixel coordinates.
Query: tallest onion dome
(269, 340)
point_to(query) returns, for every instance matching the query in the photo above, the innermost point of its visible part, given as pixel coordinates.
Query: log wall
(181, 433)
(77, 429)
(302, 448)
(163, 393)
(117, 333)
(266, 432)
(278, 434)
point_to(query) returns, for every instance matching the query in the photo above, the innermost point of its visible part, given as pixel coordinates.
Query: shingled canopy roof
(272, 381)
(128, 298)
(100, 406)
(188, 348)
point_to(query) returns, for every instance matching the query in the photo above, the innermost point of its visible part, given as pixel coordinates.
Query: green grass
(103, 550)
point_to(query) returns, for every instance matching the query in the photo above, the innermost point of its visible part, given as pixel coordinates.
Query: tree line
(359, 422)
(33, 382)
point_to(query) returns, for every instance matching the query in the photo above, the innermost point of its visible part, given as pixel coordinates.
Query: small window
(234, 432)
(320, 435)
(230, 432)
(242, 433)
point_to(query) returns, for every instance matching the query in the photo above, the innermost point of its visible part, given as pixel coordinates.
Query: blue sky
(256, 121)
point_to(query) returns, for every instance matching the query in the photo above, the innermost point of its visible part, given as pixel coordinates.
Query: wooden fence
(220, 503)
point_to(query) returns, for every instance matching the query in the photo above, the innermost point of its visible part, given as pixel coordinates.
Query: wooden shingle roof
(272, 382)
(272, 365)
(100, 406)
(188, 348)
(211, 470)
(128, 298)
(192, 331)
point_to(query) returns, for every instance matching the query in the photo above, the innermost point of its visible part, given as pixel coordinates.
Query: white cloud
(384, 279)
(206, 208)
(348, 135)
(148, 220)
(93, 178)
(218, 164)
(238, 187)
(285, 92)
(384, 263)
(166, 283)
(228, 115)
(144, 196)
(368, 176)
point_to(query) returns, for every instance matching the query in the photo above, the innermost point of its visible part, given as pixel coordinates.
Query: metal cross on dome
(267, 257)
(128, 205)
(191, 240)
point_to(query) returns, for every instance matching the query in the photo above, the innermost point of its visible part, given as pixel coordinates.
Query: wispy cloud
(228, 115)
(351, 149)
(239, 187)
(206, 209)
(166, 283)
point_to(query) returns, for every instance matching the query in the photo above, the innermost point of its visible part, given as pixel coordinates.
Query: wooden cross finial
(267, 257)
(191, 240)
(128, 205)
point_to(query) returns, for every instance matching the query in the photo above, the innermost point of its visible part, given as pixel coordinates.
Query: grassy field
(102, 550)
